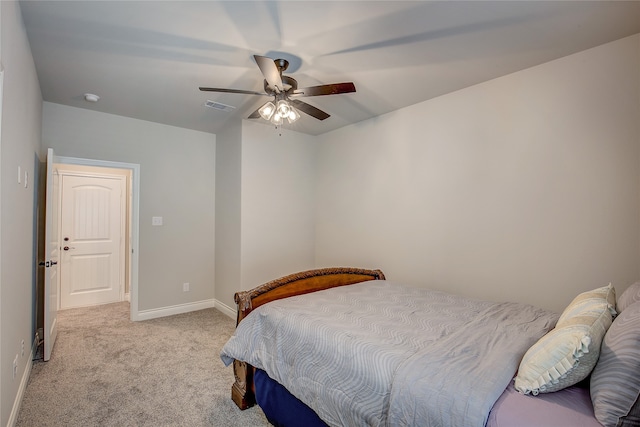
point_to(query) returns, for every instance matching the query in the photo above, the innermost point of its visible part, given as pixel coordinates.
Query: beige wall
(228, 206)
(523, 188)
(177, 182)
(265, 201)
(278, 203)
(20, 144)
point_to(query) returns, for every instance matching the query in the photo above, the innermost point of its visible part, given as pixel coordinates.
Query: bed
(346, 347)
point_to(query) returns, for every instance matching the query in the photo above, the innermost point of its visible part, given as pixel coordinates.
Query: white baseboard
(13, 417)
(174, 309)
(231, 312)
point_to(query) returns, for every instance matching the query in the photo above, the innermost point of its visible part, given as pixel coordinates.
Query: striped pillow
(588, 303)
(615, 382)
(629, 296)
(567, 354)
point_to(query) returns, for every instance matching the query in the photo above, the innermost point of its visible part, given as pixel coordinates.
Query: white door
(92, 232)
(52, 252)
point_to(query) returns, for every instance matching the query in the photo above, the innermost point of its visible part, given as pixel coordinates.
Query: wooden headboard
(242, 391)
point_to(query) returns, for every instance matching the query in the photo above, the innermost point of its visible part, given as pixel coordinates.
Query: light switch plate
(156, 220)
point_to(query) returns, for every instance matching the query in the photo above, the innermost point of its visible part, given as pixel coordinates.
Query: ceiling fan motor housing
(286, 81)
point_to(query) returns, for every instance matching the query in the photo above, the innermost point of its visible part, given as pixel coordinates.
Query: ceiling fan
(285, 93)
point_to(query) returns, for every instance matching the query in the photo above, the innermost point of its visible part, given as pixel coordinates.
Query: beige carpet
(108, 371)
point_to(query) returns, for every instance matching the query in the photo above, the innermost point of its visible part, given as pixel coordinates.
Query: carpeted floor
(108, 371)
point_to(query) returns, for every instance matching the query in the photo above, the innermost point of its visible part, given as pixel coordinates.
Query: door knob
(66, 248)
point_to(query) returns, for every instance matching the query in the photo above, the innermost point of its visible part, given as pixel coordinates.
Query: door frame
(135, 219)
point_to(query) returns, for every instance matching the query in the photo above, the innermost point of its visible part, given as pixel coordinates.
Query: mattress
(570, 407)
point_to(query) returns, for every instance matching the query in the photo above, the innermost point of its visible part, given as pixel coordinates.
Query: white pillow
(567, 354)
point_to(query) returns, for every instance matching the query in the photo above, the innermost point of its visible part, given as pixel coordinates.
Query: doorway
(132, 171)
(49, 246)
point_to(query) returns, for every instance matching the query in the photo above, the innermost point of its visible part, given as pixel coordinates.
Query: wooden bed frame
(243, 391)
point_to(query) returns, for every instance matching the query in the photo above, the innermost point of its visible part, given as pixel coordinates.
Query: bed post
(242, 390)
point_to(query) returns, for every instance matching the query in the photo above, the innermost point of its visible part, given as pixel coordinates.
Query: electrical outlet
(185, 287)
(15, 366)
(22, 348)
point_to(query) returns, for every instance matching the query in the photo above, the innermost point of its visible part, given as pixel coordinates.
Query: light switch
(156, 220)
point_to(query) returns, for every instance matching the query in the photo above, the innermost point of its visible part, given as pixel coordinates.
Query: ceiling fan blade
(330, 89)
(270, 72)
(245, 92)
(309, 109)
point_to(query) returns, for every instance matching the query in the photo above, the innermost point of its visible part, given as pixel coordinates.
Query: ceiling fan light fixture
(283, 108)
(277, 119)
(293, 115)
(278, 111)
(267, 110)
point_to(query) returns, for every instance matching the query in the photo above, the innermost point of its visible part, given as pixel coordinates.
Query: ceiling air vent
(218, 106)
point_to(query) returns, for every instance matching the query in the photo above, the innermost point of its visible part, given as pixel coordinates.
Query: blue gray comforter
(382, 354)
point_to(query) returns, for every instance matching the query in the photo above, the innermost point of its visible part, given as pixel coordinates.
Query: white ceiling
(147, 59)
